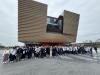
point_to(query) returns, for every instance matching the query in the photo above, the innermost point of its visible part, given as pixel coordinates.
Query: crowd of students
(19, 53)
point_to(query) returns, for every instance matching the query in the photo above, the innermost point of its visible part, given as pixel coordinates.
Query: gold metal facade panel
(71, 21)
(32, 20)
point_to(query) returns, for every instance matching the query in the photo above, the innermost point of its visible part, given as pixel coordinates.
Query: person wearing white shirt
(12, 55)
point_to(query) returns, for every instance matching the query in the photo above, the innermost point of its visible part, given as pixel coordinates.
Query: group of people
(27, 52)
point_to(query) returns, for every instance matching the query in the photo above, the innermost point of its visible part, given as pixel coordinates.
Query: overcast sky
(89, 24)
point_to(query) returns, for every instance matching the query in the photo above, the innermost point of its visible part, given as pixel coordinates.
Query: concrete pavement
(61, 65)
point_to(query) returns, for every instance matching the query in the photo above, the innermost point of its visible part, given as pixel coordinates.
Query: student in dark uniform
(18, 54)
(23, 53)
(42, 51)
(12, 55)
(29, 53)
(48, 51)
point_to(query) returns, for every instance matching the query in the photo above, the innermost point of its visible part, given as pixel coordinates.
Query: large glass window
(54, 25)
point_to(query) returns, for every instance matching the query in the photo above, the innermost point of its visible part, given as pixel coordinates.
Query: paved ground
(62, 65)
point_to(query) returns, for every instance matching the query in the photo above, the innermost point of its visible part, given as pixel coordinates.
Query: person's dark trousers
(91, 52)
(28, 54)
(79, 51)
(41, 53)
(35, 54)
(10, 57)
(14, 57)
(74, 52)
(95, 48)
(48, 51)
(96, 51)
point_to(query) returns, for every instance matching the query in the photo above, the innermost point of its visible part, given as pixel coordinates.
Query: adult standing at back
(95, 48)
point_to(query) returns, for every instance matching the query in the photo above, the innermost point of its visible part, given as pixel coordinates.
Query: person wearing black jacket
(18, 54)
(95, 48)
(29, 52)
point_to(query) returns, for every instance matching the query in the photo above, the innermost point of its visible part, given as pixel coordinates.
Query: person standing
(95, 48)
(37, 51)
(91, 51)
(18, 54)
(23, 53)
(5, 56)
(12, 55)
(29, 52)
